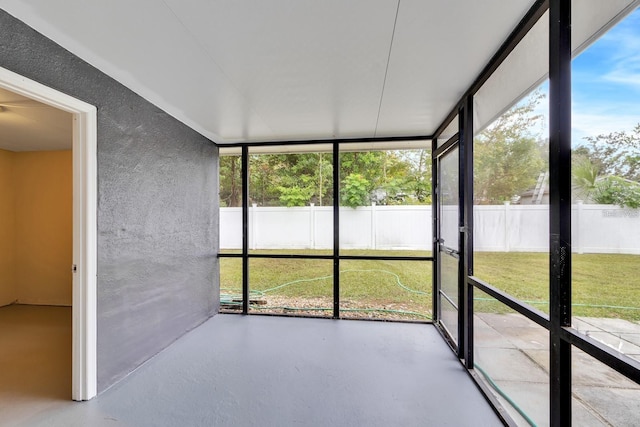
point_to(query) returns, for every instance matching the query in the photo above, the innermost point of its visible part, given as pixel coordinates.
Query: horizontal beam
(345, 257)
(447, 145)
(372, 140)
(620, 362)
(526, 310)
(387, 258)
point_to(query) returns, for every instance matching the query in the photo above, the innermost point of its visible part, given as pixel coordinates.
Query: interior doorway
(81, 160)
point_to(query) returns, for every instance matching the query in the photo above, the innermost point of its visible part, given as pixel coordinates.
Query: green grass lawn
(603, 285)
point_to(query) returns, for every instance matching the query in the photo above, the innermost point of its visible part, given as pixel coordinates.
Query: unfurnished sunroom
(461, 175)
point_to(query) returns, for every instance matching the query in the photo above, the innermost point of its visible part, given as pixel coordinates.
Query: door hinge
(74, 268)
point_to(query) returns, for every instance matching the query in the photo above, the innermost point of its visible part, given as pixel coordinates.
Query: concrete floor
(268, 371)
(514, 351)
(247, 371)
(35, 360)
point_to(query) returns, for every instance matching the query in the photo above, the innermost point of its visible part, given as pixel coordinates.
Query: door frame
(452, 337)
(84, 276)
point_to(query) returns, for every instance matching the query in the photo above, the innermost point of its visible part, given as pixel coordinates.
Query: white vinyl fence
(501, 228)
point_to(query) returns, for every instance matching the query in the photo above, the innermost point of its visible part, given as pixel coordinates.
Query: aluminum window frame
(245, 255)
(562, 335)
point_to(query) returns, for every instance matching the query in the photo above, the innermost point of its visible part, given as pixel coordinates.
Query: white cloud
(623, 46)
(585, 124)
(626, 70)
(598, 112)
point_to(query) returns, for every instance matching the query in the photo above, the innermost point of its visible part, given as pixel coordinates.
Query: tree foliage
(584, 175)
(606, 169)
(403, 176)
(294, 196)
(590, 185)
(417, 181)
(614, 190)
(508, 156)
(355, 190)
(230, 181)
(616, 153)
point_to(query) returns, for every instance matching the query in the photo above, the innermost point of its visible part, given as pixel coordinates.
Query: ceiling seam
(207, 53)
(386, 70)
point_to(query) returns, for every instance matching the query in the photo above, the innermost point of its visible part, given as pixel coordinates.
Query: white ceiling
(286, 69)
(28, 125)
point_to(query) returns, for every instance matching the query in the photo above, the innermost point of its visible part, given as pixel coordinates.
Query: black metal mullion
(462, 128)
(439, 151)
(327, 141)
(328, 257)
(290, 256)
(466, 232)
(526, 310)
(229, 255)
(387, 258)
(604, 353)
(245, 229)
(560, 209)
(435, 232)
(336, 230)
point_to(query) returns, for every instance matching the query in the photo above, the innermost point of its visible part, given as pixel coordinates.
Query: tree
(606, 169)
(394, 173)
(417, 181)
(614, 190)
(308, 177)
(584, 175)
(230, 181)
(294, 196)
(605, 190)
(355, 191)
(400, 176)
(324, 174)
(265, 177)
(616, 153)
(508, 155)
(370, 165)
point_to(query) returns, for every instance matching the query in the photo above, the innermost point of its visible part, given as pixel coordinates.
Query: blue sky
(606, 82)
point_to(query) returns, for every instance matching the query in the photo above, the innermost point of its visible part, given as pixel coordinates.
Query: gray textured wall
(157, 207)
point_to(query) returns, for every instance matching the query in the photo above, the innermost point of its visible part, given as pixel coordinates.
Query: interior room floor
(271, 371)
(35, 361)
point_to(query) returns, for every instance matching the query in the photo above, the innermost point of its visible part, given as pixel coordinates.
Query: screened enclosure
(355, 208)
(502, 228)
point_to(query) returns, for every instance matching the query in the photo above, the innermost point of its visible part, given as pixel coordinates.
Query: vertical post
(374, 226)
(465, 308)
(507, 227)
(336, 230)
(560, 208)
(435, 234)
(245, 229)
(462, 281)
